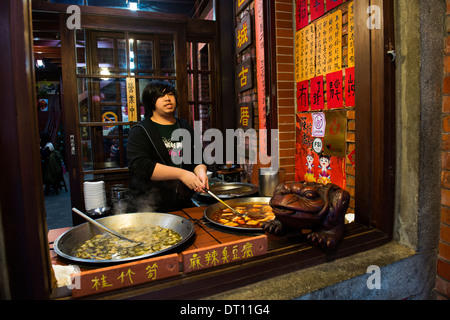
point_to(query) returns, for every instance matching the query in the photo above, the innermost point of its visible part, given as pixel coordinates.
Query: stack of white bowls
(94, 194)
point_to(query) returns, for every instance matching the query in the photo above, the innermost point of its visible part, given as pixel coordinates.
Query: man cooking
(156, 182)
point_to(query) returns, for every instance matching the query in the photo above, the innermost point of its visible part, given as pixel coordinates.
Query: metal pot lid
(230, 190)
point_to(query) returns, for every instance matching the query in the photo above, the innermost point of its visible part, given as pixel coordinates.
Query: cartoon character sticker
(312, 162)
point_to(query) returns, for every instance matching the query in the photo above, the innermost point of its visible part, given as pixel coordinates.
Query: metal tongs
(95, 223)
(223, 202)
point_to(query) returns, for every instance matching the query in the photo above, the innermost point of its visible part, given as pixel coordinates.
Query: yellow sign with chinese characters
(131, 99)
(305, 53)
(224, 253)
(351, 36)
(329, 44)
(120, 276)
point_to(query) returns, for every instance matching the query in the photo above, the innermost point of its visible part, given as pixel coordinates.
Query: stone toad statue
(310, 205)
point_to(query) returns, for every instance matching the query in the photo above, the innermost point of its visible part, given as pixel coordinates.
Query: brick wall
(284, 28)
(443, 262)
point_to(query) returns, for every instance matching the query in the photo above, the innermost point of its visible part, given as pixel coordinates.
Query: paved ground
(58, 208)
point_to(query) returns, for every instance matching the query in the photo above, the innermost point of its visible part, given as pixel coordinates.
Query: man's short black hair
(155, 90)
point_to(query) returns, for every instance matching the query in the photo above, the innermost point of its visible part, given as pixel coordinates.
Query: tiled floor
(58, 208)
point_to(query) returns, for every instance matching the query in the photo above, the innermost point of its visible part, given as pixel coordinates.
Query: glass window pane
(109, 92)
(80, 45)
(105, 53)
(190, 60)
(203, 87)
(111, 56)
(122, 54)
(83, 100)
(203, 56)
(167, 52)
(190, 87)
(106, 152)
(99, 96)
(86, 150)
(144, 55)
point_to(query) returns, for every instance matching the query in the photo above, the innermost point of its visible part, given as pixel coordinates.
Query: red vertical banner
(261, 73)
(317, 93)
(334, 90)
(331, 4)
(302, 96)
(317, 8)
(301, 14)
(350, 87)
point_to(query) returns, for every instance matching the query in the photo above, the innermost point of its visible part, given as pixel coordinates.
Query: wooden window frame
(375, 118)
(375, 162)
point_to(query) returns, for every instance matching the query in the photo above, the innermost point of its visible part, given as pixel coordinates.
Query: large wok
(233, 202)
(66, 242)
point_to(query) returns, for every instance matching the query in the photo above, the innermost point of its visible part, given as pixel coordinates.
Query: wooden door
(97, 60)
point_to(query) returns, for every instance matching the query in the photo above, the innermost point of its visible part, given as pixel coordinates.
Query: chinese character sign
(124, 275)
(301, 14)
(317, 8)
(243, 33)
(131, 99)
(350, 87)
(329, 44)
(331, 4)
(244, 77)
(335, 90)
(217, 255)
(241, 4)
(245, 115)
(305, 53)
(317, 93)
(302, 96)
(351, 36)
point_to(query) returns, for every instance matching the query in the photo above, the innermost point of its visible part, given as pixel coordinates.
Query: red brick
(285, 33)
(445, 160)
(445, 179)
(286, 103)
(445, 142)
(447, 44)
(446, 104)
(445, 197)
(351, 114)
(445, 215)
(286, 127)
(445, 233)
(287, 144)
(286, 111)
(287, 161)
(446, 124)
(286, 7)
(443, 287)
(285, 76)
(287, 16)
(444, 250)
(447, 64)
(443, 269)
(287, 153)
(446, 85)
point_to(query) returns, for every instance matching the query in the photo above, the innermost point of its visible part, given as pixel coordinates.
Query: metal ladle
(95, 223)
(223, 202)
